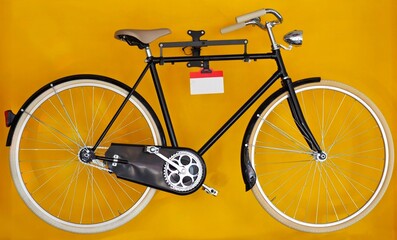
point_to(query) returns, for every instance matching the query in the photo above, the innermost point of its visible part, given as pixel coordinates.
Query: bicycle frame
(79, 188)
(279, 73)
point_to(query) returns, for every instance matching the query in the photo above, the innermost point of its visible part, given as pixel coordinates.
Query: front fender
(248, 171)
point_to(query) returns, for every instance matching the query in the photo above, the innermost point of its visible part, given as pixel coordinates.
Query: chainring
(192, 175)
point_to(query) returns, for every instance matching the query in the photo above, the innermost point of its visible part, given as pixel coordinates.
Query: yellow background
(349, 41)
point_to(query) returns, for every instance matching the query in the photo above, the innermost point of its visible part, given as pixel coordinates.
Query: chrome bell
(294, 37)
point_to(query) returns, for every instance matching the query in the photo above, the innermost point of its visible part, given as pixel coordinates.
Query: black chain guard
(133, 163)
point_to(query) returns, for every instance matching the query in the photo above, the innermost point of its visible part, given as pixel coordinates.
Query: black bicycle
(87, 152)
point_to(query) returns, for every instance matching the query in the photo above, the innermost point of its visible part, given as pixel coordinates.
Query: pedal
(210, 190)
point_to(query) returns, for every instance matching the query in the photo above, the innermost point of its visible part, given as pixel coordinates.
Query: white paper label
(206, 83)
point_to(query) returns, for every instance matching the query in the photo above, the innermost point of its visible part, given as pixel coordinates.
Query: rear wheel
(320, 195)
(47, 149)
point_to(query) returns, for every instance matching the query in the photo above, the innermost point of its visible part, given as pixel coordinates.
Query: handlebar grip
(259, 13)
(232, 27)
(252, 15)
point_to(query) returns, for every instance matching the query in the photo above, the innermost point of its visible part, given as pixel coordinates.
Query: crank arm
(156, 151)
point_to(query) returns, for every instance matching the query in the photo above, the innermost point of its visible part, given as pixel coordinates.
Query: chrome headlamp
(294, 38)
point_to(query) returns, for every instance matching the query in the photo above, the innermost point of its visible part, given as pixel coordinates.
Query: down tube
(239, 112)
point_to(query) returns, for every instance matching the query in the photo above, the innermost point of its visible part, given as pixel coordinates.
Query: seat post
(148, 51)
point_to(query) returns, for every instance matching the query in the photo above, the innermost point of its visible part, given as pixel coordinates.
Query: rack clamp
(196, 50)
(196, 35)
(196, 44)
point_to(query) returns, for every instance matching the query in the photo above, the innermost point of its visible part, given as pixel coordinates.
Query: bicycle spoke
(291, 188)
(301, 193)
(122, 124)
(69, 120)
(351, 180)
(94, 112)
(53, 130)
(105, 113)
(278, 150)
(110, 139)
(73, 178)
(58, 168)
(286, 135)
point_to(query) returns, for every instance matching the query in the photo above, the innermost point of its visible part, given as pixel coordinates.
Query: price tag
(206, 83)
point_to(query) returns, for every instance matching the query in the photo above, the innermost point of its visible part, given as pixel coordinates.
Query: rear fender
(13, 123)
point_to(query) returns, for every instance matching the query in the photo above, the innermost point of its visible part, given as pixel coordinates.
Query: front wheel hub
(86, 155)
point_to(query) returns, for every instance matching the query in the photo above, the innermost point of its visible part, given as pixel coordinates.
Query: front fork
(301, 122)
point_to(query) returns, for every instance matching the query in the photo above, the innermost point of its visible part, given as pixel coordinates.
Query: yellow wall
(349, 41)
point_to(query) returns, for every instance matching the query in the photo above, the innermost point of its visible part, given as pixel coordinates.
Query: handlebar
(259, 13)
(249, 18)
(233, 27)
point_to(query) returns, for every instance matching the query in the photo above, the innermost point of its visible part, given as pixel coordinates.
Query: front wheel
(57, 124)
(321, 195)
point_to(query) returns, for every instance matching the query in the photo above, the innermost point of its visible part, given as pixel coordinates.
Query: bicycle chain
(98, 167)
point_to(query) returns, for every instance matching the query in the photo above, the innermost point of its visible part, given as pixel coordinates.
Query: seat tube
(162, 102)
